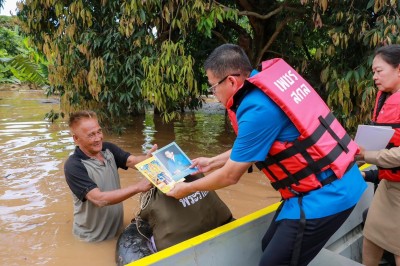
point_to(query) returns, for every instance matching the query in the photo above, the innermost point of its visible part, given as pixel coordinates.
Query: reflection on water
(36, 204)
(29, 186)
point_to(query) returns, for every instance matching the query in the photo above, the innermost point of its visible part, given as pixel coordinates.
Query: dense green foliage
(354, 31)
(117, 56)
(92, 65)
(19, 61)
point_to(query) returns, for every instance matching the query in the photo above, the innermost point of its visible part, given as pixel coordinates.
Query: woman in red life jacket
(305, 153)
(381, 231)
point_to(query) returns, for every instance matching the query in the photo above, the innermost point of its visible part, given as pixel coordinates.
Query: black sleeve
(372, 176)
(77, 177)
(120, 155)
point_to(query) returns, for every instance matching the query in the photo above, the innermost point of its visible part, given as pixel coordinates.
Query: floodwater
(36, 203)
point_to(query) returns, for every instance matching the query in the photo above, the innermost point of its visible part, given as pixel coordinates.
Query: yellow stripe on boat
(163, 254)
(365, 166)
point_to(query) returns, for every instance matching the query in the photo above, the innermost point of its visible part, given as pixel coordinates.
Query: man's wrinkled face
(88, 135)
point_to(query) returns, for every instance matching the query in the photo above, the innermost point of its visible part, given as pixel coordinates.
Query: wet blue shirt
(260, 123)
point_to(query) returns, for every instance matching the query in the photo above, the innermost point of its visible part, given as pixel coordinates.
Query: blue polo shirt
(260, 123)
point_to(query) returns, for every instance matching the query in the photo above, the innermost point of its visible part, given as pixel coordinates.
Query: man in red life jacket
(285, 128)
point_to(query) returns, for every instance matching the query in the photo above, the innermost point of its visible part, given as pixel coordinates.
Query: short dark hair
(228, 59)
(390, 54)
(77, 116)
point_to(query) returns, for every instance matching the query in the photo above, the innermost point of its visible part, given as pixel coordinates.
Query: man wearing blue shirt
(308, 216)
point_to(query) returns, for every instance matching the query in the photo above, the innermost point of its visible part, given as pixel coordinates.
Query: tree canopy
(118, 56)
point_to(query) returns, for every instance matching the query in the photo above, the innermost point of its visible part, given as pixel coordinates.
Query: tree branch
(395, 11)
(240, 30)
(263, 17)
(220, 36)
(272, 39)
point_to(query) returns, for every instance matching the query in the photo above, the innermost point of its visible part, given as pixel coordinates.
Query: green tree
(92, 65)
(19, 61)
(354, 33)
(117, 56)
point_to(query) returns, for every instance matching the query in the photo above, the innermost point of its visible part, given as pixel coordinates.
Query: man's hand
(143, 185)
(133, 160)
(105, 198)
(203, 165)
(180, 190)
(149, 152)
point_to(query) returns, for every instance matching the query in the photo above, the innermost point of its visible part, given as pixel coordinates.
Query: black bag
(134, 242)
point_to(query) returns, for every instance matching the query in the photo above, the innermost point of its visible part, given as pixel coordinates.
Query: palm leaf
(25, 69)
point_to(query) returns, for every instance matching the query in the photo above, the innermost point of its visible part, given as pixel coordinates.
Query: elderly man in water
(92, 175)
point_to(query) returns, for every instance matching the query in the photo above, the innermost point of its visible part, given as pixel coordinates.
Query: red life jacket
(323, 143)
(387, 113)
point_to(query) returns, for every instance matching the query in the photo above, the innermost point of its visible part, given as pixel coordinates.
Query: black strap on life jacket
(300, 233)
(381, 101)
(299, 147)
(237, 99)
(393, 125)
(302, 222)
(240, 94)
(394, 170)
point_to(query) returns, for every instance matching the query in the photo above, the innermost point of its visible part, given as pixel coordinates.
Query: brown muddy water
(36, 203)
